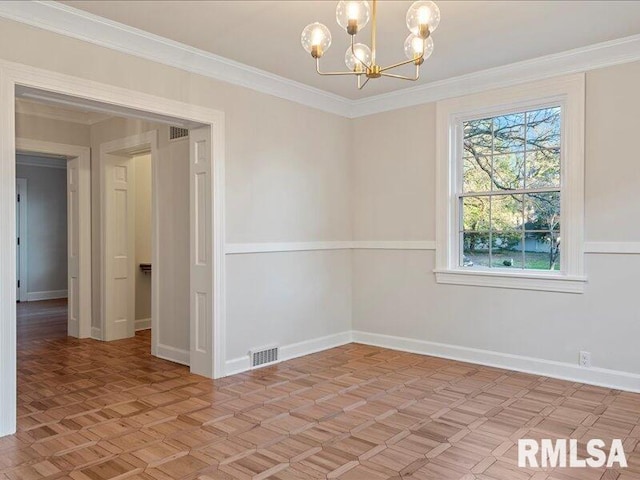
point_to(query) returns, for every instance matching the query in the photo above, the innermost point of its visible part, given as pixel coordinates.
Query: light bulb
(424, 14)
(316, 39)
(361, 59)
(352, 15)
(423, 18)
(414, 45)
(353, 10)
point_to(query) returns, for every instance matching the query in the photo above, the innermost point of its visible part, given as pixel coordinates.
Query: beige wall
(46, 241)
(394, 188)
(395, 293)
(142, 165)
(287, 179)
(50, 130)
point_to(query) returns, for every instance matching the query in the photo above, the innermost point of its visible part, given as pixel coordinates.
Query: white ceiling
(472, 36)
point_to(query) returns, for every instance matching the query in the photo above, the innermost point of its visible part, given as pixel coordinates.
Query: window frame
(567, 92)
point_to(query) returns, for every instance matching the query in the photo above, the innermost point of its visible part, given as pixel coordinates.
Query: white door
(201, 289)
(118, 228)
(73, 247)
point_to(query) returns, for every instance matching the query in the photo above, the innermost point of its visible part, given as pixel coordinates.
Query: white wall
(142, 166)
(46, 241)
(395, 293)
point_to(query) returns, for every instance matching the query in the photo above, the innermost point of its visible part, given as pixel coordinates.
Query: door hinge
(18, 283)
(18, 197)
(18, 241)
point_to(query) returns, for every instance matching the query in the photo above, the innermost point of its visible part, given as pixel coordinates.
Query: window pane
(477, 137)
(508, 171)
(506, 249)
(543, 168)
(508, 132)
(543, 128)
(542, 251)
(512, 152)
(475, 213)
(542, 211)
(506, 212)
(475, 250)
(476, 174)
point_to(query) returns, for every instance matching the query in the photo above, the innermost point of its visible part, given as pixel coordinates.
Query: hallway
(42, 320)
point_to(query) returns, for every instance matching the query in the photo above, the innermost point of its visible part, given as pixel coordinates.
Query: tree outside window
(510, 192)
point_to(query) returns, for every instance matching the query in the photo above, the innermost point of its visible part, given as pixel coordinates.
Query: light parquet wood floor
(105, 411)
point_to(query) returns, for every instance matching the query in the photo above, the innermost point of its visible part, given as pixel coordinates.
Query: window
(510, 187)
(509, 199)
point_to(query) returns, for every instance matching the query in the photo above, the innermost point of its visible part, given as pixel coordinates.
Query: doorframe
(13, 74)
(21, 189)
(126, 146)
(83, 154)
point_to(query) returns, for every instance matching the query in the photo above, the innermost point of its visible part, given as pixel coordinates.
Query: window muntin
(509, 196)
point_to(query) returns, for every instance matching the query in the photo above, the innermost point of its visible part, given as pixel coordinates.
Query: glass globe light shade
(421, 15)
(352, 15)
(363, 54)
(414, 44)
(316, 37)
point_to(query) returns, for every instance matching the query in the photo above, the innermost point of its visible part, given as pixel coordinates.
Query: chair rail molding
(610, 248)
(265, 247)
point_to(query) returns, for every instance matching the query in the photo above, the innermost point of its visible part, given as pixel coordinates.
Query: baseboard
(173, 354)
(565, 371)
(96, 333)
(46, 295)
(294, 350)
(143, 324)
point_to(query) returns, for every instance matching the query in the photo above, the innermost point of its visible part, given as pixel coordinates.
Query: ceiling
(472, 36)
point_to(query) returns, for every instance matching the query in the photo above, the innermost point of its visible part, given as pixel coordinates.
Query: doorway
(42, 247)
(129, 220)
(206, 191)
(68, 262)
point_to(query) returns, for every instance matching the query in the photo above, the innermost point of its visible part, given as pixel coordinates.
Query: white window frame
(568, 92)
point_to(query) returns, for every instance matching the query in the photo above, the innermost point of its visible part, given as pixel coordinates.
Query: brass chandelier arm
(401, 77)
(399, 64)
(360, 83)
(404, 77)
(333, 73)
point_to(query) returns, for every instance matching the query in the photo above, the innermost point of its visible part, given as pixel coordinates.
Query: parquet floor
(97, 411)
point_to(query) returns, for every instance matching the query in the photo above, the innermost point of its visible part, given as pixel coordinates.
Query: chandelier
(423, 18)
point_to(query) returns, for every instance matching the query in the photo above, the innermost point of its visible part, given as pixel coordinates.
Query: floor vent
(264, 356)
(176, 133)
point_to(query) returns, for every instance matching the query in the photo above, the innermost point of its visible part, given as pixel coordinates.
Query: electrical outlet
(585, 359)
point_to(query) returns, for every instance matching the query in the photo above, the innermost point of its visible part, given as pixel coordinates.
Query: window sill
(547, 282)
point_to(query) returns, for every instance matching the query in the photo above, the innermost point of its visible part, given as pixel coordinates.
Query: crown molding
(582, 59)
(72, 22)
(75, 23)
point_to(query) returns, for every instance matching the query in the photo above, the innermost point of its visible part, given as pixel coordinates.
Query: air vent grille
(264, 356)
(176, 133)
